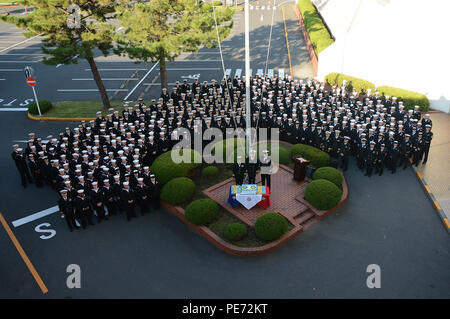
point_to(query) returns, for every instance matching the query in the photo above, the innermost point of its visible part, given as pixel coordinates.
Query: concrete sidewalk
(436, 172)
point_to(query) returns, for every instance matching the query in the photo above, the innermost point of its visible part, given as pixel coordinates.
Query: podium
(300, 165)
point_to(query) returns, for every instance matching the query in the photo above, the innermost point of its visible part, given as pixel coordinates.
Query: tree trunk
(163, 73)
(99, 82)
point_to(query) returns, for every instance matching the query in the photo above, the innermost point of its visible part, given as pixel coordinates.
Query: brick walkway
(284, 190)
(436, 171)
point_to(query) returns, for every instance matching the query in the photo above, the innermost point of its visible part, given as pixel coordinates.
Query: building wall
(401, 43)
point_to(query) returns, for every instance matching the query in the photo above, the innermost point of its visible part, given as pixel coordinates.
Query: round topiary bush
(270, 226)
(235, 231)
(178, 190)
(44, 106)
(317, 157)
(330, 174)
(165, 169)
(210, 171)
(201, 211)
(322, 194)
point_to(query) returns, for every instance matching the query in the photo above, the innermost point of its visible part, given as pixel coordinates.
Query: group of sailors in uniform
(105, 163)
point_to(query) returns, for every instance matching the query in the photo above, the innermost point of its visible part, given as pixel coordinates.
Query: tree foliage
(162, 29)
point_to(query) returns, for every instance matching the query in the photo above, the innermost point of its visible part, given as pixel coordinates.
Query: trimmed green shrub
(165, 169)
(201, 211)
(322, 194)
(178, 190)
(317, 157)
(210, 171)
(284, 154)
(359, 84)
(318, 33)
(409, 98)
(330, 174)
(271, 226)
(235, 231)
(44, 106)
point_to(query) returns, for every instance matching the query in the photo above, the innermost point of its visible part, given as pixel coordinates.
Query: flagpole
(247, 76)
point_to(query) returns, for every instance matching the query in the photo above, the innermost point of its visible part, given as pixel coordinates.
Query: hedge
(201, 211)
(330, 174)
(409, 98)
(322, 194)
(318, 33)
(210, 171)
(359, 84)
(270, 226)
(317, 157)
(44, 106)
(178, 190)
(284, 154)
(235, 231)
(165, 169)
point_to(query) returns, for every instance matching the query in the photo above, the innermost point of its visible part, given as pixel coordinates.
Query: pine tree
(71, 30)
(161, 30)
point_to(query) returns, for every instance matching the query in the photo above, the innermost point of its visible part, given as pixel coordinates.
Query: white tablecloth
(248, 200)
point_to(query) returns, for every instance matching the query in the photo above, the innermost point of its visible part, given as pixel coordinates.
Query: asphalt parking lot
(75, 82)
(386, 220)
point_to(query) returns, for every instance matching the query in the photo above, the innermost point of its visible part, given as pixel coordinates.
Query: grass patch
(318, 33)
(64, 109)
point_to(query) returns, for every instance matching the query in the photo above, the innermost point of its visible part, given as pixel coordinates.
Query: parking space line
(35, 216)
(11, 70)
(227, 72)
(90, 90)
(16, 54)
(20, 61)
(13, 109)
(14, 45)
(24, 256)
(281, 73)
(238, 73)
(106, 79)
(142, 80)
(2, 79)
(118, 69)
(260, 72)
(270, 73)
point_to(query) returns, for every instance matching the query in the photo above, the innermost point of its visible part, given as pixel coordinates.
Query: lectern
(300, 165)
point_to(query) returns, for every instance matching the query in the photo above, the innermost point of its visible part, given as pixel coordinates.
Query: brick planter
(228, 247)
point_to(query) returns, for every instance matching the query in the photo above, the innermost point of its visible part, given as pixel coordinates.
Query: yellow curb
(419, 175)
(446, 223)
(58, 119)
(427, 189)
(436, 205)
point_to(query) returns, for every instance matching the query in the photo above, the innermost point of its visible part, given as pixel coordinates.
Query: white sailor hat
(80, 191)
(63, 191)
(125, 183)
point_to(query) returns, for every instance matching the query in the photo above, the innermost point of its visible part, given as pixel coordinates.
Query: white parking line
(106, 79)
(35, 216)
(2, 79)
(15, 54)
(11, 70)
(118, 69)
(238, 73)
(260, 72)
(191, 69)
(20, 61)
(270, 73)
(90, 90)
(281, 73)
(156, 84)
(13, 109)
(142, 80)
